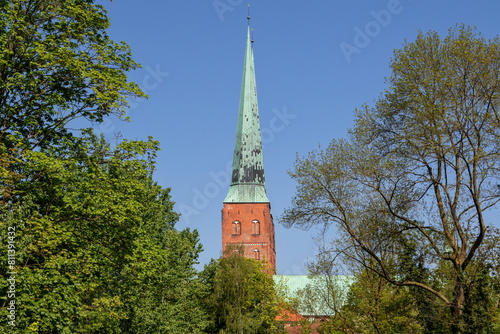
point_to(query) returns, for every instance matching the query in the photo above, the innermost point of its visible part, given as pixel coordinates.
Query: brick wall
(250, 226)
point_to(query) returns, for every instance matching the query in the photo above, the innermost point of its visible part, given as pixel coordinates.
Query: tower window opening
(236, 228)
(255, 227)
(256, 254)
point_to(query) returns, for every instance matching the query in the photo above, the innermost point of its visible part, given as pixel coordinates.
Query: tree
(422, 164)
(375, 306)
(361, 302)
(57, 64)
(482, 290)
(242, 297)
(96, 245)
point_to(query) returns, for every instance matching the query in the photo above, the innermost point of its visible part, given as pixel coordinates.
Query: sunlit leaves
(97, 245)
(419, 170)
(241, 298)
(58, 64)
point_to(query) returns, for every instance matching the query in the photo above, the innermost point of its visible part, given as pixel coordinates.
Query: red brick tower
(247, 222)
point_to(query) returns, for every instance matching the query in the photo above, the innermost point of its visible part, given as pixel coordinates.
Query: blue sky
(316, 61)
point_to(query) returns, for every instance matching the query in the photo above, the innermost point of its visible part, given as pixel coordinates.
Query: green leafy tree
(97, 249)
(57, 64)
(96, 244)
(422, 164)
(375, 306)
(242, 296)
(206, 279)
(482, 289)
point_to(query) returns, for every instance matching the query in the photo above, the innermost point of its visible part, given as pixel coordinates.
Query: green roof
(318, 295)
(247, 181)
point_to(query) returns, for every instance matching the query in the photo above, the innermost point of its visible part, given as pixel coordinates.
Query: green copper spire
(247, 183)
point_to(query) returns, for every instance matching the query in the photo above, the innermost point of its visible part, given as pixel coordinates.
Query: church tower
(247, 223)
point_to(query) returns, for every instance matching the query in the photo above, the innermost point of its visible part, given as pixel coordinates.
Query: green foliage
(410, 188)
(57, 64)
(242, 297)
(97, 248)
(375, 306)
(482, 291)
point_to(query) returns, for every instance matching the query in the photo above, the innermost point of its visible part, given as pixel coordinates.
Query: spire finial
(247, 179)
(248, 18)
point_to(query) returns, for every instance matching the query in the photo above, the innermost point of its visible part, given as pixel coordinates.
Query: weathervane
(248, 18)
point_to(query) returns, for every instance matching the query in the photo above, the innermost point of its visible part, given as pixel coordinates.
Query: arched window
(236, 227)
(255, 227)
(256, 254)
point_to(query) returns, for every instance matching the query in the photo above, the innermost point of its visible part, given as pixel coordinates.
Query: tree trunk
(457, 326)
